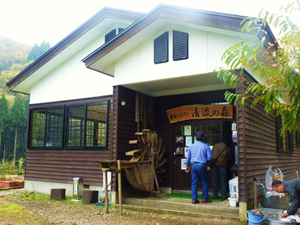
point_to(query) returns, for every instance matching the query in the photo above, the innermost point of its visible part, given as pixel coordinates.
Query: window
(46, 127)
(297, 139)
(161, 48)
(180, 45)
(113, 34)
(85, 126)
(285, 141)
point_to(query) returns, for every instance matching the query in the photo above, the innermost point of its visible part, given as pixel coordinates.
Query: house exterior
(84, 91)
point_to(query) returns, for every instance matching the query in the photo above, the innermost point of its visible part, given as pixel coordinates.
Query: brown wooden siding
(258, 149)
(63, 165)
(124, 128)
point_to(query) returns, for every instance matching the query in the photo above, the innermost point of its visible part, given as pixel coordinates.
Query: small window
(285, 141)
(180, 45)
(110, 35)
(161, 48)
(113, 34)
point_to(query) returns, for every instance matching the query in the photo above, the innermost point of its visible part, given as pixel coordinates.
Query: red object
(10, 183)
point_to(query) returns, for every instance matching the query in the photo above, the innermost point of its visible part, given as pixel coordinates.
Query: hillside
(14, 57)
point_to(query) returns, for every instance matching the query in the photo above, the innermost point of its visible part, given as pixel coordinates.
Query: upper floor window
(180, 45)
(161, 48)
(80, 126)
(284, 141)
(113, 33)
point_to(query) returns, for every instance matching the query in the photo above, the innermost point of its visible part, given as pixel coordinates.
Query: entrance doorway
(184, 136)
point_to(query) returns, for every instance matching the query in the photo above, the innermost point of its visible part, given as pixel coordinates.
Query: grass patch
(15, 214)
(189, 196)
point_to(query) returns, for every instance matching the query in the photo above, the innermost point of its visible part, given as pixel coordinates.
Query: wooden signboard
(200, 112)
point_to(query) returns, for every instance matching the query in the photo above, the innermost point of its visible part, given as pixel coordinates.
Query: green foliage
(12, 52)
(35, 197)
(38, 50)
(275, 65)
(6, 168)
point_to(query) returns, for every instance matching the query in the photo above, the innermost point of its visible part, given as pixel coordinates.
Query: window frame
(289, 148)
(64, 146)
(45, 128)
(297, 139)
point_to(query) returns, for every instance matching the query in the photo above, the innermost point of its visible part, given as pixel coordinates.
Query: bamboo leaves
(275, 66)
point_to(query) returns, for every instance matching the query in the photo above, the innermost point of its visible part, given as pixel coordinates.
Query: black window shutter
(110, 35)
(180, 45)
(120, 30)
(161, 48)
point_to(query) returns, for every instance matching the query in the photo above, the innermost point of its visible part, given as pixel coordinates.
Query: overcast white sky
(32, 21)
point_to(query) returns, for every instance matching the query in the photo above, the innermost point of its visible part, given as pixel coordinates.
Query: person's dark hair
(276, 183)
(200, 135)
(226, 140)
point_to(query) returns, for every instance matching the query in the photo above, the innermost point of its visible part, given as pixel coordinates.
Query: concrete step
(220, 210)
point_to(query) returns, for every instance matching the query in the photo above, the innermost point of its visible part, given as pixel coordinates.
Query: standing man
(292, 188)
(198, 155)
(222, 152)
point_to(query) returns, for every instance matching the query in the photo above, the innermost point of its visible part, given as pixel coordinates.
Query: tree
(37, 51)
(4, 113)
(277, 66)
(18, 117)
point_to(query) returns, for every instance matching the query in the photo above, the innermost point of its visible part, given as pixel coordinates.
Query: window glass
(96, 125)
(75, 126)
(85, 126)
(55, 120)
(37, 128)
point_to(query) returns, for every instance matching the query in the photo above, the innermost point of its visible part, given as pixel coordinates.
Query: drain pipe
(255, 193)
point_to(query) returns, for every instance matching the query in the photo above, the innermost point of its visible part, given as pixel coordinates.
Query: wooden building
(79, 115)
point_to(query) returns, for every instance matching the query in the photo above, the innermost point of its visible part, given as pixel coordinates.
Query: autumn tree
(4, 113)
(18, 116)
(276, 65)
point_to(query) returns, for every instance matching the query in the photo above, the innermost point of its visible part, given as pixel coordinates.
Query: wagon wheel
(148, 147)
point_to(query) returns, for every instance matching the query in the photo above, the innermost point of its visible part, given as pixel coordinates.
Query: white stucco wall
(72, 80)
(205, 52)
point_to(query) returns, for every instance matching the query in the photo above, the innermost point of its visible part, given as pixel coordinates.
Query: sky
(35, 21)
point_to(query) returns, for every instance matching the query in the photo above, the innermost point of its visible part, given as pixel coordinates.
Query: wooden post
(119, 186)
(106, 192)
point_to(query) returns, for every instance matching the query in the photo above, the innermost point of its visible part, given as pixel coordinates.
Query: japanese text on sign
(200, 112)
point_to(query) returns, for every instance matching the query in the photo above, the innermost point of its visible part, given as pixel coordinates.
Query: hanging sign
(200, 112)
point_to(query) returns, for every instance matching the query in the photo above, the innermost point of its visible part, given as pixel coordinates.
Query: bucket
(275, 221)
(254, 219)
(232, 201)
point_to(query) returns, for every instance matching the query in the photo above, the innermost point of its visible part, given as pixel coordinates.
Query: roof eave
(71, 38)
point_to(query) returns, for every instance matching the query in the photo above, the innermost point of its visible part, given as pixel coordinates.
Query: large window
(86, 125)
(81, 126)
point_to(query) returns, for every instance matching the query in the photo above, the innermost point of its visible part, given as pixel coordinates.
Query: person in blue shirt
(198, 155)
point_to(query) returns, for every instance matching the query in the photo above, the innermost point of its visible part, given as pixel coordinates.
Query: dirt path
(46, 211)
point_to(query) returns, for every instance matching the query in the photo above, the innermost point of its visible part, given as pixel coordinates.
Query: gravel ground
(73, 213)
